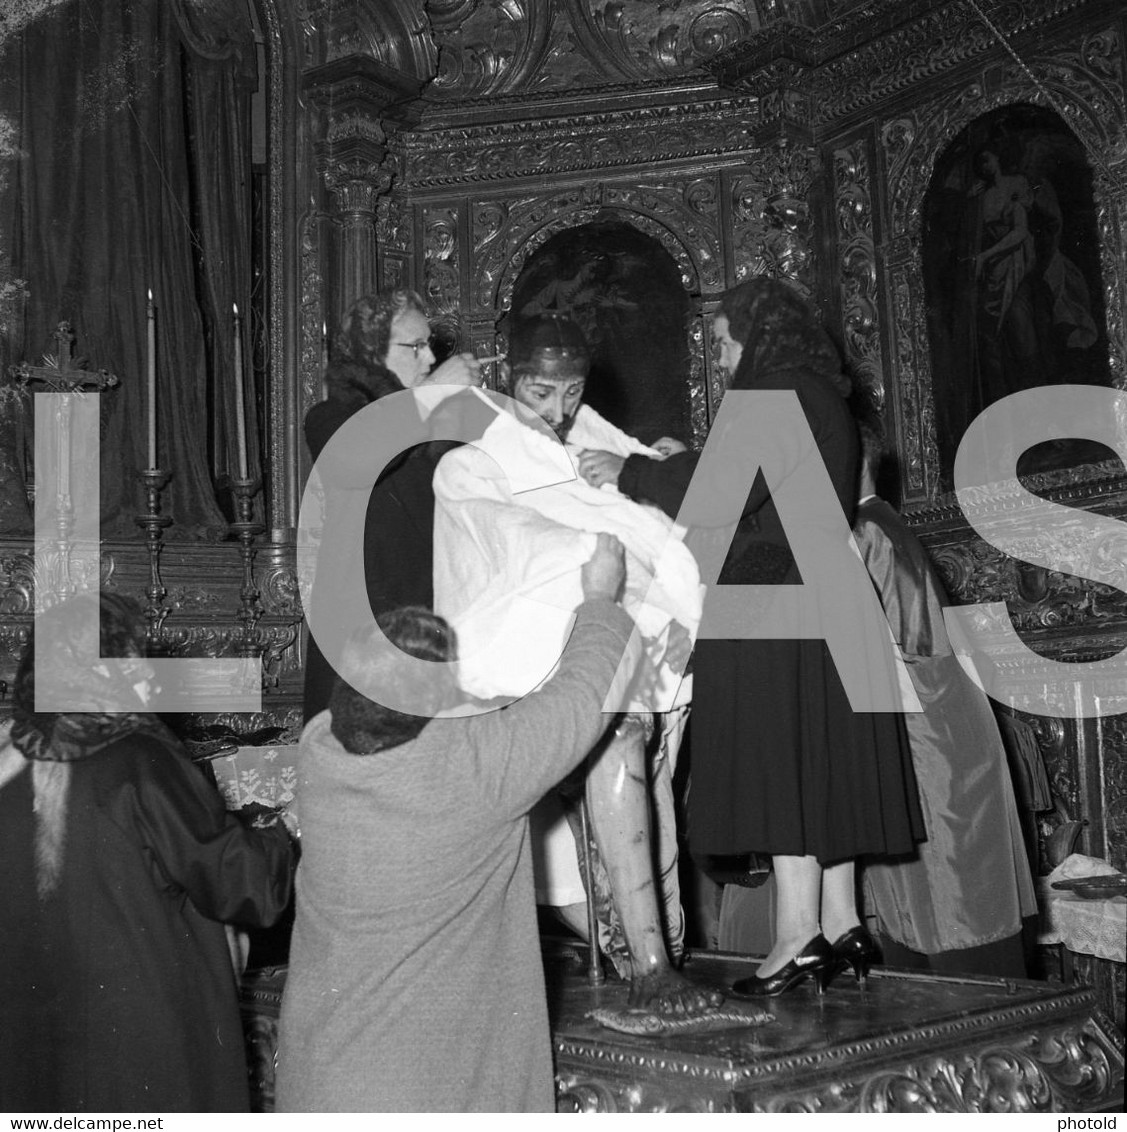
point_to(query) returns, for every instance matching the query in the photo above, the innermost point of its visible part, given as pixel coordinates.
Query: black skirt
(783, 765)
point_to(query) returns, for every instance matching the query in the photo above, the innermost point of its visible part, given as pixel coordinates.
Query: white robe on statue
(494, 540)
(507, 560)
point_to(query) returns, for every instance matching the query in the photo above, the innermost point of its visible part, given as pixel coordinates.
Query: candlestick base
(247, 531)
(153, 523)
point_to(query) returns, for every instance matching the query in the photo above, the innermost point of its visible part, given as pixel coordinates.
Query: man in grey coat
(415, 979)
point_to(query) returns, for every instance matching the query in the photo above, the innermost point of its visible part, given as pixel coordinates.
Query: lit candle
(240, 410)
(324, 348)
(151, 317)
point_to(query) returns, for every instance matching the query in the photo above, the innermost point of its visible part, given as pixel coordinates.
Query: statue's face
(556, 400)
(409, 355)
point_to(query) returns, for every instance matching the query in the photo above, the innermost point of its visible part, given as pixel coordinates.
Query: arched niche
(525, 231)
(627, 293)
(1012, 276)
(912, 144)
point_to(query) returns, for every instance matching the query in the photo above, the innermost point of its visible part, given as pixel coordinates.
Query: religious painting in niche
(1012, 276)
(624, 289)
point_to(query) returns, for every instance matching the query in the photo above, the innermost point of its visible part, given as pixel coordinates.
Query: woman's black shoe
(856, 949)
(816, 959)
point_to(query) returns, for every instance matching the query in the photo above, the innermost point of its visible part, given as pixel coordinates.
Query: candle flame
(236, 306)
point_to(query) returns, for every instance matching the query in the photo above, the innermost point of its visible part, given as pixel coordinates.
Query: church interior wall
(794, 140)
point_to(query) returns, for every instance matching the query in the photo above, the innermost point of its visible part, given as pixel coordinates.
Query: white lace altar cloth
(266, 775)
(1085, 926)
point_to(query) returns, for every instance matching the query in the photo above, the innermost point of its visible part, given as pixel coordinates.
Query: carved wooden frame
(526, 240)
(469, 275)
(1084, 87)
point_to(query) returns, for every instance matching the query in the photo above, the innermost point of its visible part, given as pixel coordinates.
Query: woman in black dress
(782, 764)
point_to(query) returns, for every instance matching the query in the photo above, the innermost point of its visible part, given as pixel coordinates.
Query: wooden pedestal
(908, 1042)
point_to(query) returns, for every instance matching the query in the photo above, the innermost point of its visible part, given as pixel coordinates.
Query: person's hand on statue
(668, 446)
(460, 369)
(598, 468)
(604, 574)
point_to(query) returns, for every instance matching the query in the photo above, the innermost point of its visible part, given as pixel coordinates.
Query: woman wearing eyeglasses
(383, 346)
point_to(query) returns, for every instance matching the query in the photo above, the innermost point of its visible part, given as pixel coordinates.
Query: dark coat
(398, 542)
(117, 989)
(397, 566)
(415, 980)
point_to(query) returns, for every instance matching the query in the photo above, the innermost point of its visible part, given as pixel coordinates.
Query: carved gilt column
(360, 99)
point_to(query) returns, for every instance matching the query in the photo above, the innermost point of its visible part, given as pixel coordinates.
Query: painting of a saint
(1012, 274)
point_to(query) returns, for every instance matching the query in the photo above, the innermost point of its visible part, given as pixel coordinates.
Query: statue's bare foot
(668, 993)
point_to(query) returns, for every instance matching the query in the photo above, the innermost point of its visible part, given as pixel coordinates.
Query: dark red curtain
(133, 124)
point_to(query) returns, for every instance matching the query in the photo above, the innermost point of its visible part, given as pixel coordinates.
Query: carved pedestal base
(907, 1043)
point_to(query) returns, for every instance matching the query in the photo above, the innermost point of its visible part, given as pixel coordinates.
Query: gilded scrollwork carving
(395, 34)
(391, 228)
(909, 379)
(278, 591)
(17, 584)
(634, 137)
(771, 226)
(748, 230)
(1037, 599)
(314, 318)
(1032, 1052)
(1061, 1068)
(194, 599)
(14, 636)
(577, 1092)
(54, 573)
(1076, 1063)
(504, 230)
(574, 1094)
(858, 269)
(937, 41)
(912, 144)
(672, 38)
(441, 283)
(688, 213)
(700, 410)
(507, 233)
(486, 50)
(490, 224)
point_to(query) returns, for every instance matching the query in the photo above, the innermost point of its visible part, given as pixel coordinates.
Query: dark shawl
(784, 347)
(121, 866)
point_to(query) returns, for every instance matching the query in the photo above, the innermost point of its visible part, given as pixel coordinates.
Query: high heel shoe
(856, 949)
(816, 959)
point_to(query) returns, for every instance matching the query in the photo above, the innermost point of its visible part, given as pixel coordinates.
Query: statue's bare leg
(618, 804)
